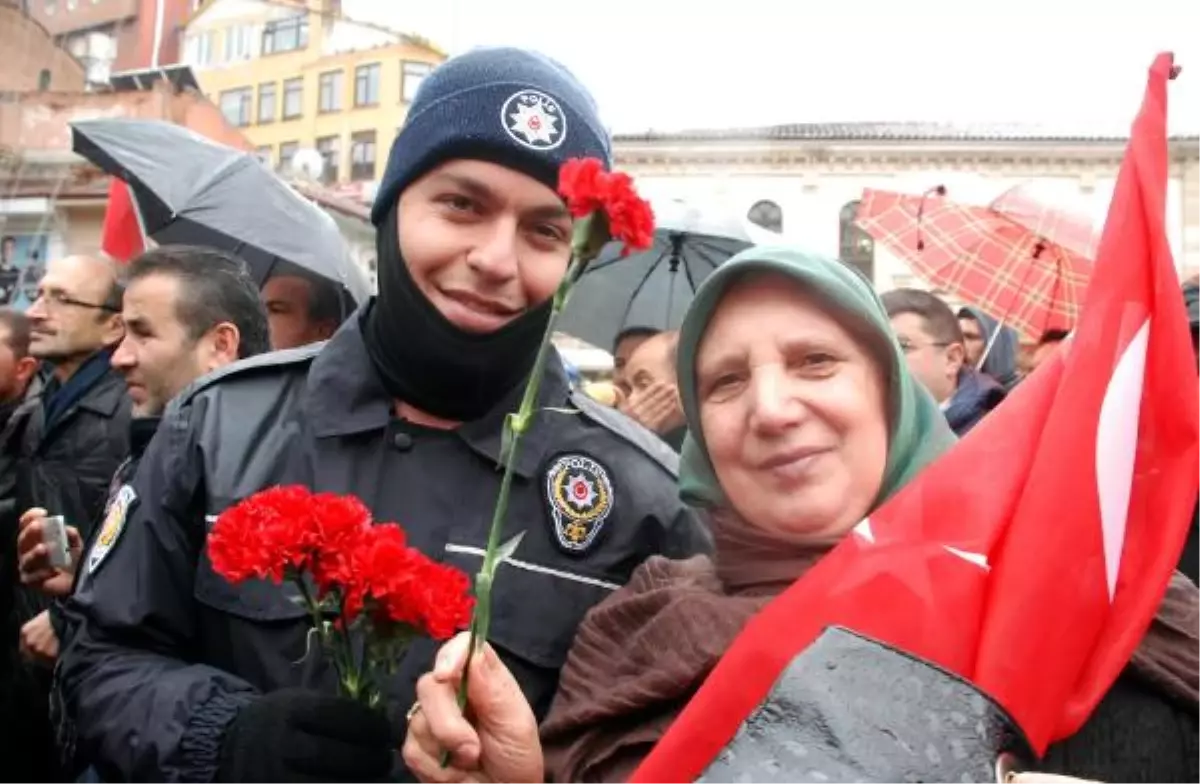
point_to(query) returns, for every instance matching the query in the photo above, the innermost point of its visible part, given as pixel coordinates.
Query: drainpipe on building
(158, 31)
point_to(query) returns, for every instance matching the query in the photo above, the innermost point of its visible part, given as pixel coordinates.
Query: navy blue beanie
(509, 106)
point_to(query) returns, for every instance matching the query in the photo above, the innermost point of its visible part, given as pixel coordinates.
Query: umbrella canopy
(987, 257)
(652, 288)
(190, 190)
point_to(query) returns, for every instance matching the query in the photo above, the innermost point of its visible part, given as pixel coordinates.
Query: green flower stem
(340, 664)
(589, 235)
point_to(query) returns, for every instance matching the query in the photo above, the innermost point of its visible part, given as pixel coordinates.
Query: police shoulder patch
(110, 530)
(579, 494)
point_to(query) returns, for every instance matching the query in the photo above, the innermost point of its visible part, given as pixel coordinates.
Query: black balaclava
(508, 106)
(428, 362)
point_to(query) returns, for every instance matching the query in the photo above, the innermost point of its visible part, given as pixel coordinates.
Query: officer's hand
(39, 643)
(299, 735)
(33, 555)
(502, 745)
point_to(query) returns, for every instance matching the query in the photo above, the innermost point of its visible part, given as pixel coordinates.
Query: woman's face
(793, 411)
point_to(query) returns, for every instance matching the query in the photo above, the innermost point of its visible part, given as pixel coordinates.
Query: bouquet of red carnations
(353, 576)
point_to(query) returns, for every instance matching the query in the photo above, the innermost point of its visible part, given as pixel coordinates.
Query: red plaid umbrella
(1018, 261)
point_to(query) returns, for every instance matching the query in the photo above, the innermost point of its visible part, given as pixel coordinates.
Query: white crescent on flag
(1116, 448)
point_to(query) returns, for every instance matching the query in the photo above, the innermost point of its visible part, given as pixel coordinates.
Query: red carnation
(435, 599)
(263, 535)
(357, 567)
(337, 524)
(403, 586)
(588, 188)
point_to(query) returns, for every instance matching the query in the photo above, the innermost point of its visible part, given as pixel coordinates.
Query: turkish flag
(1032, 557)
(121, 236)
(1104, 516)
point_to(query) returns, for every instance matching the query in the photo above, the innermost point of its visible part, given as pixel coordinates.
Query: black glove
(298, 735)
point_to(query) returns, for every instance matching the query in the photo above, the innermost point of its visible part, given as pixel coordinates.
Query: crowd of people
(724, 460)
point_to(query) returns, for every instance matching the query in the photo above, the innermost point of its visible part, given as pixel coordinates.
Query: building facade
(320, 96)
(32, 59)
(110, 36)
(52, 201)
(803, 182)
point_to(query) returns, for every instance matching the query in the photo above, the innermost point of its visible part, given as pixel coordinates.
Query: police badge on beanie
(507, 106)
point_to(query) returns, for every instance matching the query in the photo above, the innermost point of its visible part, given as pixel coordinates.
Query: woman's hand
(502, 743)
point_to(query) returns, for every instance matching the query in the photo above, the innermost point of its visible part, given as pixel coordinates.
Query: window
(293, 98)
(199, 48)
(266, 103)
(235, 105)
(856, 247)
(330, 94)
(237, 43)
(264, 154)
(366, 85)
(768, 215)
(362, 156)
(411, 76)
(285, 35)
(95, 50)
(328, 147)
(287, 151)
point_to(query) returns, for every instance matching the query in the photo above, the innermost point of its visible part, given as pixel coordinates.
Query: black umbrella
(190, 190)
(652, 288)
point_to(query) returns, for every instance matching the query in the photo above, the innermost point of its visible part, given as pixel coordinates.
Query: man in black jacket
(174, 673)
(71, 444)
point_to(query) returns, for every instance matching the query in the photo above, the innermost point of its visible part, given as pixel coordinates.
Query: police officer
(173, 673)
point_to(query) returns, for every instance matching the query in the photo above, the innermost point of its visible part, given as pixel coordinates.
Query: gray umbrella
(652, 288)
(190, 190)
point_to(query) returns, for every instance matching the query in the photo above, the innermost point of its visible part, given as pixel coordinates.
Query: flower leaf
(506, 550)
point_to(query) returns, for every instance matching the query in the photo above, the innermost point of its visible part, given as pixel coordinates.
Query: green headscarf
(919, 432)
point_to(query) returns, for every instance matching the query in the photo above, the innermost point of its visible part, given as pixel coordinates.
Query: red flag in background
(122, 236)
(1032, 557)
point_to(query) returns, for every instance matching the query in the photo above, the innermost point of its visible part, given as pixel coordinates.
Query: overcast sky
(665, 64)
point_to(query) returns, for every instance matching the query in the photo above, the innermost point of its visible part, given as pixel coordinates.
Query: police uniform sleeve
(141, 710)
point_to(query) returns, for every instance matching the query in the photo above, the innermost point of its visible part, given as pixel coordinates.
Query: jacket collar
(103, 398)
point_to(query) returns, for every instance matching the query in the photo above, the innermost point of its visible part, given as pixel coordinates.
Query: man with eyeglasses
(66, 455)
(932, 341)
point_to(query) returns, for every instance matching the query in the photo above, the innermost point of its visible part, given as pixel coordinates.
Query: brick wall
(28, 49)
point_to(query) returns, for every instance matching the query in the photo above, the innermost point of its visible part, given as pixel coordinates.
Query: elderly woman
(804, 419)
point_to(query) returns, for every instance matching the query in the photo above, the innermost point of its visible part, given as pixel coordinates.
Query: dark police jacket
(166, 652)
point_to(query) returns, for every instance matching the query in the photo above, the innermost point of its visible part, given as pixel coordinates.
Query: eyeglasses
(58, 299)
(909, 348)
